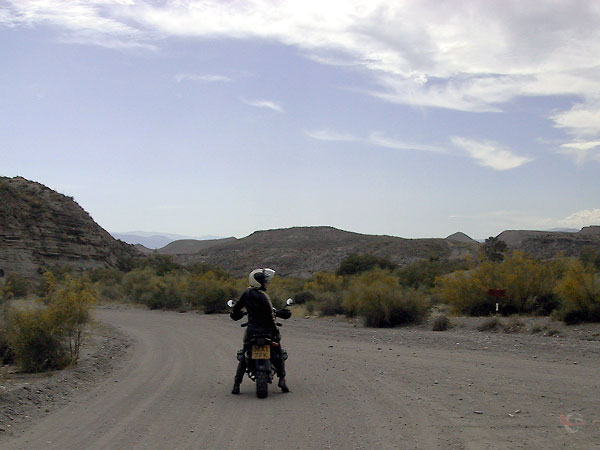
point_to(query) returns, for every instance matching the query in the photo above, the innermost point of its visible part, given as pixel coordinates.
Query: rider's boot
(282, 385)
(239, 373)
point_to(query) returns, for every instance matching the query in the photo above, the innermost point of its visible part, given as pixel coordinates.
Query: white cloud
(582, 151)
(583, 218)
(89, 22)
(490, 154)
(466, 55)
(582, 120)
(329, 135)
(206, 78)
(375, 138)
(268, 104)
(380, 140)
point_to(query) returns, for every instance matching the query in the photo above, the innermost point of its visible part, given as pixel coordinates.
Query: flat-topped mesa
(40, 228)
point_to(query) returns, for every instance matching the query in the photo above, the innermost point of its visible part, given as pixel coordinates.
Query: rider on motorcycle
(261, 318)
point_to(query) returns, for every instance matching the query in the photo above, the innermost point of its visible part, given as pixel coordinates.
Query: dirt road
(352, 388)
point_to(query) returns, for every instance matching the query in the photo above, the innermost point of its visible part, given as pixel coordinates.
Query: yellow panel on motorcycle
(261, 352)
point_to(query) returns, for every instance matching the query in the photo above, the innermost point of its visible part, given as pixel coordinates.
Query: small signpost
(498, 293)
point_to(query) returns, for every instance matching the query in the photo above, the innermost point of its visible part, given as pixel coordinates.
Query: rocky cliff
(40, 228)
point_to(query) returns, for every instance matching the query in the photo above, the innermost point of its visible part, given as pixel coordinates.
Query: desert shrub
(110, 291)
(579, 291)
(158, 263)
(49, 337)
(491, 324)
(381, 301)
(36, 343)
(310, 307)
(528, 284)
(325, 282)
(282, 288)
(424, 273)
(590, 257)
(15, 286)
(210, 292)
(358, 263)
(7, 356)
(136, 283)
(48, 284)
(201, 268)
(105, 276)
(466, 291)
(330, 304)
(166, 292)
(543, 305)
(514, 325)
(538, 329)
(304, 297)
(440, 323)
(69, 312)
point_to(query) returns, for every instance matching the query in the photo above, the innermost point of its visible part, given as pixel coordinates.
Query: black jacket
(259, 308)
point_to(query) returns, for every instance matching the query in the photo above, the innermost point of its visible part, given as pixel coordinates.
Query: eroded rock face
(40, 228)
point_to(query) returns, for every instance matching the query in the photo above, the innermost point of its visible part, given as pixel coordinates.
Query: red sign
(497, 292)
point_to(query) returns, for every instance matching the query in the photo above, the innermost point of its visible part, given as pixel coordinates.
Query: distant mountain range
(154, 240)
(40, 228)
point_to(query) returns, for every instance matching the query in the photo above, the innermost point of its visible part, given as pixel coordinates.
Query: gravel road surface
(351, 388)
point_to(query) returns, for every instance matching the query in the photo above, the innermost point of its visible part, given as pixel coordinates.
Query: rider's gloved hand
(284, 313)
(236, 316)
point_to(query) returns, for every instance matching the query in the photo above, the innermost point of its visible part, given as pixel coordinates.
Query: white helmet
(258, 277)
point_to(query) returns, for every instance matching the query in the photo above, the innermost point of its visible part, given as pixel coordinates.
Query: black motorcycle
(261, 353)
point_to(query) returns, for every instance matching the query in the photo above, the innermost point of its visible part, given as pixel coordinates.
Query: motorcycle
(260, 351)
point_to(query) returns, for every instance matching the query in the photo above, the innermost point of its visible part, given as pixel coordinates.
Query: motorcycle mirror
(289, 302)
(230, 303)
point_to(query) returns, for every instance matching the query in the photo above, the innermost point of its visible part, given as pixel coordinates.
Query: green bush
(330, 304)
(210, 292)
(304, 297)
(357, 263)
(381, 301)
(423, 273)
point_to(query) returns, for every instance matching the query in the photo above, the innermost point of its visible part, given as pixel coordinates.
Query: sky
(406, 118)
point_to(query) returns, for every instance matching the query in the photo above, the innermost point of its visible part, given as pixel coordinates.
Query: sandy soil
(352, 388)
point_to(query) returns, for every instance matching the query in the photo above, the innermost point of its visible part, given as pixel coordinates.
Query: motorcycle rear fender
(262, 364)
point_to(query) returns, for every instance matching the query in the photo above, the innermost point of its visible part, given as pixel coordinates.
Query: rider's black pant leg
(279, 363)
(241, 370)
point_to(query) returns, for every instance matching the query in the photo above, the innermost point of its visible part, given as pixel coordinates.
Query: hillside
(548, 244)
(302, 251)
(190, 246)
(40, 228)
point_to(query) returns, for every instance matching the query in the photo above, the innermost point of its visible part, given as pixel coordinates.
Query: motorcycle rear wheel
(262, 384)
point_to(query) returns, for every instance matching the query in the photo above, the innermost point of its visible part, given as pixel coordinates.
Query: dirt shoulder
(27, 397)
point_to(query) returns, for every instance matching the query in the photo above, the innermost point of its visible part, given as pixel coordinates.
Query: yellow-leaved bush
(48, 334)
